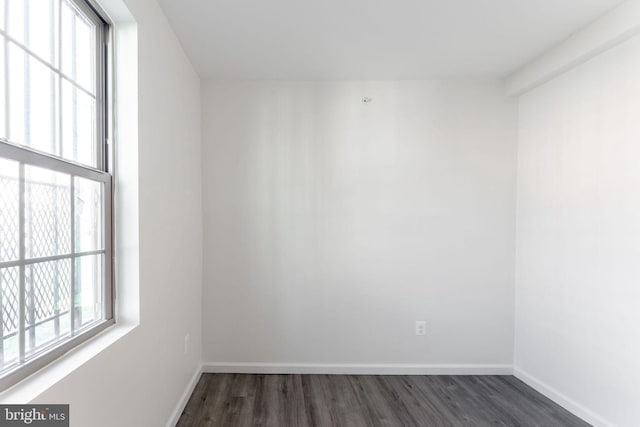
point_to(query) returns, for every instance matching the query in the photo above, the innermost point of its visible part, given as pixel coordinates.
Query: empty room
(349, 213)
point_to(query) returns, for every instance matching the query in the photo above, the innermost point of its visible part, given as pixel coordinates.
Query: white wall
(332, 225)
(138, 380)
(578, 244)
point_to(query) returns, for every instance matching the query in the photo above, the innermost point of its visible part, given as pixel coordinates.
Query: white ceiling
(372, 39)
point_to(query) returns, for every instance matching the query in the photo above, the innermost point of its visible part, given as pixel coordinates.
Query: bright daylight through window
(55, 182)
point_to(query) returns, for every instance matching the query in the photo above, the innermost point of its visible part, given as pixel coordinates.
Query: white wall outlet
(186, 343)
(421, 327)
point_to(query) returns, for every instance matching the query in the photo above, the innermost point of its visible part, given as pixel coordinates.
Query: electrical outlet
(186, 344)
(421, 327)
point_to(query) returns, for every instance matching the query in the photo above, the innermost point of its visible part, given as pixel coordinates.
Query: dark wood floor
(361, 400)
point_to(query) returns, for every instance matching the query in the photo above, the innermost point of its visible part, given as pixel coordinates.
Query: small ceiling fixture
(366, 100)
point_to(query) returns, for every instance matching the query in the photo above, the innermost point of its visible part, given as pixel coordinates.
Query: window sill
(31, 387)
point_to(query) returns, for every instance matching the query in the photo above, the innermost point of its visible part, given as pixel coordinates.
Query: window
(55, 182)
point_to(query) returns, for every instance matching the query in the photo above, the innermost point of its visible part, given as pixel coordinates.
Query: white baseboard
(184, 398)
(355, 369)
(561, 399)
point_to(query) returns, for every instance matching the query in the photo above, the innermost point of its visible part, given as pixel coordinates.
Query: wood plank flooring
(361, 400)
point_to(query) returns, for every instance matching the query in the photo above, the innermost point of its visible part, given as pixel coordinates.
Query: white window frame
(29, 364)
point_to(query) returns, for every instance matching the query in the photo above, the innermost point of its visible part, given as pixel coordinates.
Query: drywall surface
(612, 28)
(139, 380)
(332, 225)
(578, 237)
